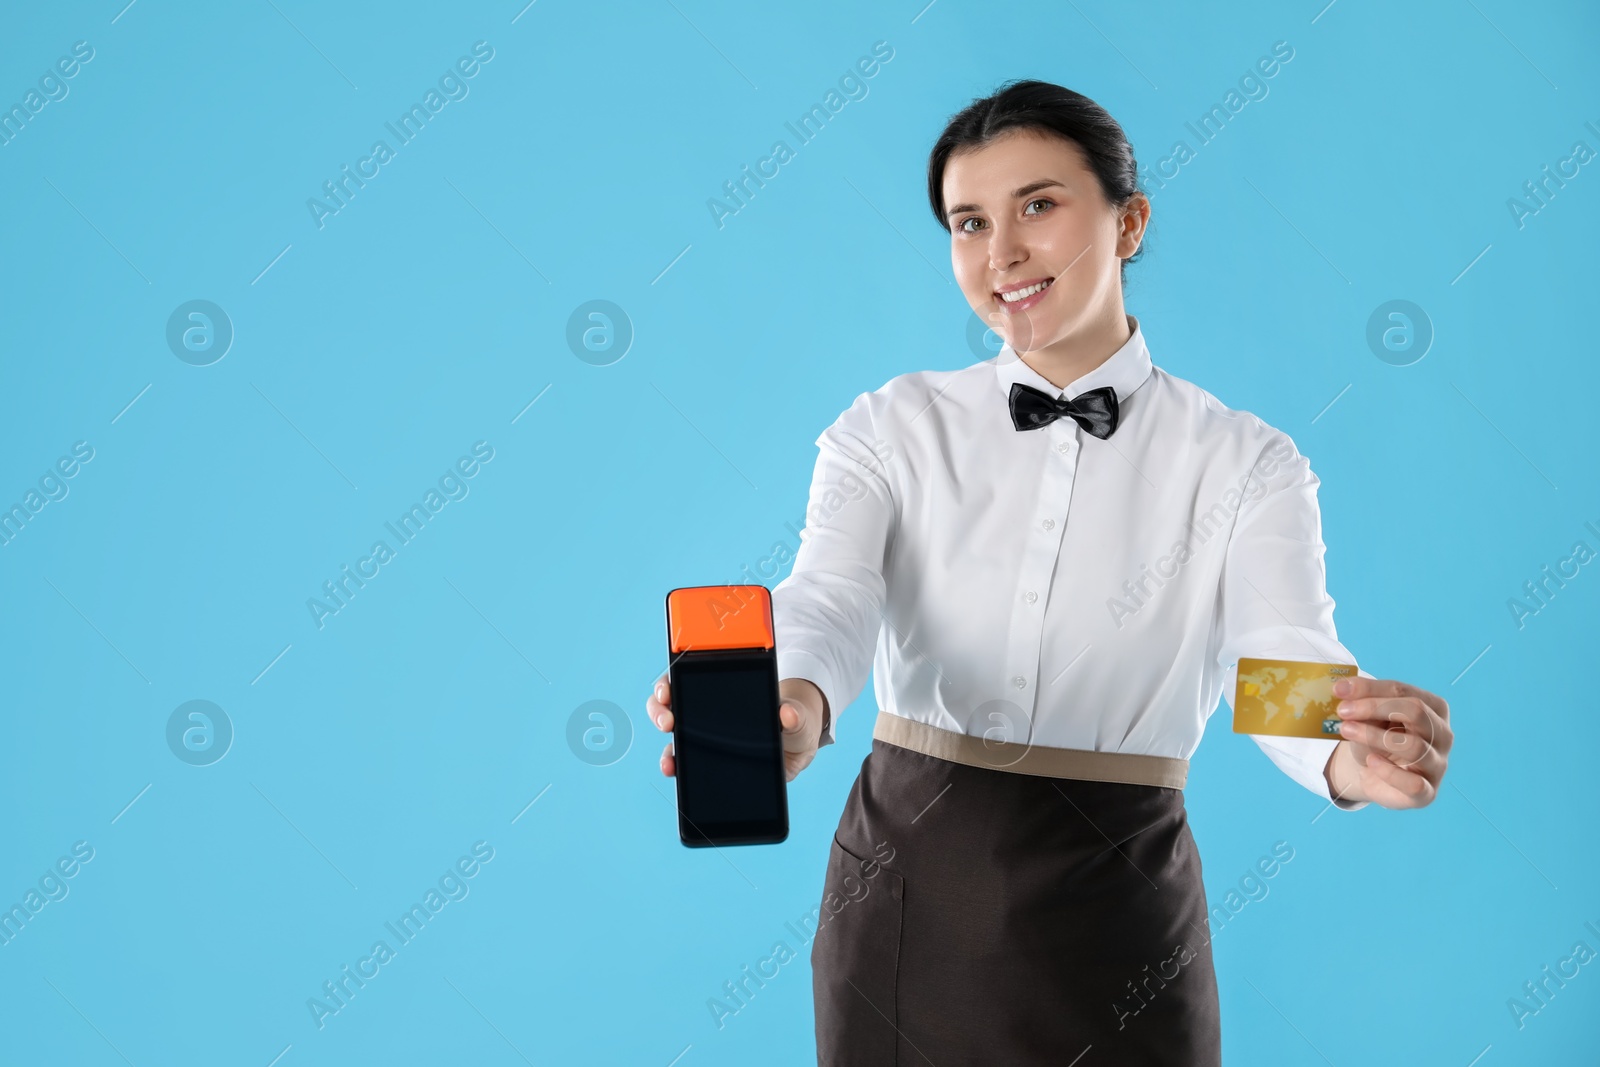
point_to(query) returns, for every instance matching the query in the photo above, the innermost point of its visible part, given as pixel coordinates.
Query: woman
(1060, 554)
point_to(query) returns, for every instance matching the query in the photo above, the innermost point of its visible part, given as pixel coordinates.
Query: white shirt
(1057, 588)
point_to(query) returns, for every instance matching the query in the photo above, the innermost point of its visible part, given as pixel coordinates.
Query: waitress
(1054, 559)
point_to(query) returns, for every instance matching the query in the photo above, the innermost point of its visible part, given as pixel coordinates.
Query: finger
(659, 715)
(658, 706)
(793, 720)
(1388, 687)
(669, 762)
(1408, 713)
(1392, 787)
(1398, 746)
(1407, 710)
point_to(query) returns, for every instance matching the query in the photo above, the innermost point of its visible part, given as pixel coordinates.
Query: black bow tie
(1095, 411)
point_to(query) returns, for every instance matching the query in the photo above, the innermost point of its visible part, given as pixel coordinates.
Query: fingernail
(1341, 687)
(1344, 708)
(659, 693)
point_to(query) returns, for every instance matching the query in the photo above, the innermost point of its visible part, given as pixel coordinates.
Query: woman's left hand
(1396, 743)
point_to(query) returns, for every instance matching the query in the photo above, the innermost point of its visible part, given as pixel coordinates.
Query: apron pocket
(855, 961)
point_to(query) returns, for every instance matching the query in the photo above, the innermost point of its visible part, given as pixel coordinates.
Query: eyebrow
(1031, 187)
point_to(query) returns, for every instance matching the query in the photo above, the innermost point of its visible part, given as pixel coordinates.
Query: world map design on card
(1288, 698)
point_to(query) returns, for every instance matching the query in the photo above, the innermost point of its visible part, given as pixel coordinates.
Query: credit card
(1288, 698)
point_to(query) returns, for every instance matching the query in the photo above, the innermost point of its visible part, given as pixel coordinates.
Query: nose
(1006, 248)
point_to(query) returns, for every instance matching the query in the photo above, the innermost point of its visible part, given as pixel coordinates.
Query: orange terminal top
(705, 617)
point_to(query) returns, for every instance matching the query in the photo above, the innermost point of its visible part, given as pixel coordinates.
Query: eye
(1041, 200)
(962, 225)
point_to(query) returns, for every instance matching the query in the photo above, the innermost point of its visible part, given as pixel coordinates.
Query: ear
(1135, 219)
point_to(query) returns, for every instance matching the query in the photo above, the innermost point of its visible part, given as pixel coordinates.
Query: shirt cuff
(798, 663)
(1305, 759)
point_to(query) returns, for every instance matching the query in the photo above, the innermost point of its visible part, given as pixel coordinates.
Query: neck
(1082, 351)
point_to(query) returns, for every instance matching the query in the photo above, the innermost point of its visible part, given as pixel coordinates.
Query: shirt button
(1030, 596)
(1019, 681)
(1062, 447)
(1049, 524)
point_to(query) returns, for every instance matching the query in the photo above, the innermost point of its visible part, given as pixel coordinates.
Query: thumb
(1359, 756)
(791, 717)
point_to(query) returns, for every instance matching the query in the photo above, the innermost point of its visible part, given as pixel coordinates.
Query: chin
(1028, 335)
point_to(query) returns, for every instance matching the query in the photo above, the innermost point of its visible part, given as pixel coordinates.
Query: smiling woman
(1030, 750)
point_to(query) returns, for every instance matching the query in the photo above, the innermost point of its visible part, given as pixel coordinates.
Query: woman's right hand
(799, 713)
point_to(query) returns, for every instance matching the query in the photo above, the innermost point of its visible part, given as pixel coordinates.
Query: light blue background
(433, 309)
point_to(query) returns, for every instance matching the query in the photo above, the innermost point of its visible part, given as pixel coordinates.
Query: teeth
(1023, 294)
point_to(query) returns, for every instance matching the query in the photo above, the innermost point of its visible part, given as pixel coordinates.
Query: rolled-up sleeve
(1275, 603)
(828, 611)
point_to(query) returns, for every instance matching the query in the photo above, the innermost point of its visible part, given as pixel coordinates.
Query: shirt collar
(1125, 371)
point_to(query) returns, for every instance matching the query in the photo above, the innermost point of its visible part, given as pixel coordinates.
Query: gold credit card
(1288, 698)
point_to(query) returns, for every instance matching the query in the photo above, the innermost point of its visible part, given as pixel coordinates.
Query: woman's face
(1025, 209)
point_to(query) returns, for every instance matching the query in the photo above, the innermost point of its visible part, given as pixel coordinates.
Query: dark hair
(1050, 109)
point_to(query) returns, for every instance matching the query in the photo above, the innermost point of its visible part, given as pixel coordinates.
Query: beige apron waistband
(1021, 758)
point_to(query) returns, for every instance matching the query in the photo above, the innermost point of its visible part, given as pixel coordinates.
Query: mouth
(1023, 296)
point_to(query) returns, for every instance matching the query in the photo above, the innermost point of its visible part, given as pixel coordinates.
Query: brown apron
(978, 909)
